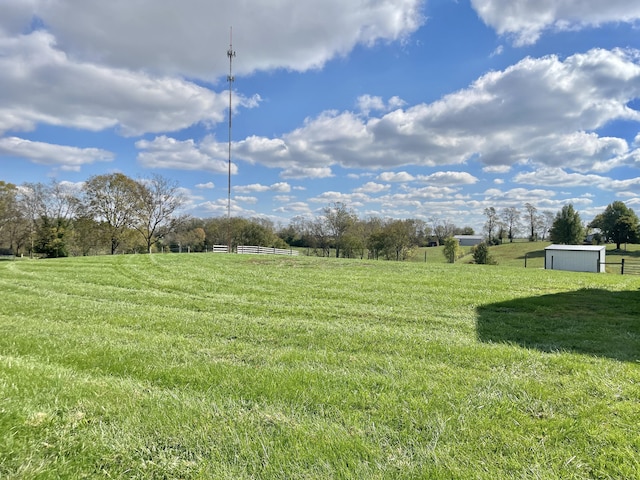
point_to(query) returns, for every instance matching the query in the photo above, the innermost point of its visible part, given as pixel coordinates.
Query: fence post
(622, 267)
(525, 260)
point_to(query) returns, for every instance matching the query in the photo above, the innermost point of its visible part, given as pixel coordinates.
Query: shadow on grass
(533, 254)
(589, 321)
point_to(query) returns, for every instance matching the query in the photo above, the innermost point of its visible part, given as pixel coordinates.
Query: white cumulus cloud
(166, 152)
(41, 83)
(526, 20)
(544, 111)
(448, 178)
(63, 156)
(372, 187)
(280, 187)
(396, 177)
(267, 35)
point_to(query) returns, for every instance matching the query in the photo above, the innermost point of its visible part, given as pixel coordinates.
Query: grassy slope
(217, 366)
(513, 255)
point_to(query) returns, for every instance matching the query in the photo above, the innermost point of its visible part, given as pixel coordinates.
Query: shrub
(481, 254)
(452, 250)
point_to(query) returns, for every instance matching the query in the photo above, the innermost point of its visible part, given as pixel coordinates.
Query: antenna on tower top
(231, 54)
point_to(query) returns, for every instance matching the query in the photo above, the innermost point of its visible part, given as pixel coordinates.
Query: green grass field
(243, 367)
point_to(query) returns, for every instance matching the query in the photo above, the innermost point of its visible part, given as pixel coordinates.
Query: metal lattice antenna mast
(230, 53)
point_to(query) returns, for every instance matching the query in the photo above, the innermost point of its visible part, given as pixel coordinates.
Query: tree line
(114, 213)
(339, 231)
(616, 224)
(509, 223)
(110, 214)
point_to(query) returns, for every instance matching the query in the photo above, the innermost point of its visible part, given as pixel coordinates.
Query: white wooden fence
(219, 248)
(265, 250)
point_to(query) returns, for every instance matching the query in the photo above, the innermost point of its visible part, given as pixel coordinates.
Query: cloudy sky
(398, 108)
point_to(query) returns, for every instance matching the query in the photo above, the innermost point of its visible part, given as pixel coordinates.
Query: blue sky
(430, 109)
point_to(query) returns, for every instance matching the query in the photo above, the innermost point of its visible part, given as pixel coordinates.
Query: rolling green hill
(513, 255)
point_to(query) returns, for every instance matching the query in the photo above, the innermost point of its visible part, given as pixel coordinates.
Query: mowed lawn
(232, 366)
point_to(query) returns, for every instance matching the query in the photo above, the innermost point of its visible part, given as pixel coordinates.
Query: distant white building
(469, 240)
(576, 258)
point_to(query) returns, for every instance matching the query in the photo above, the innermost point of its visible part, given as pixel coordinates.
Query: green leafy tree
(214, 228)
(393, 239)
(618, 223)
(452, 250)
(187, 238)
(354, 240)
(61, 205)
(113, 199)
(290, 236)
(297, 233)
(51, 238)
(320, 237)
(399, 239)
(88, 237)
(339, 219)
(248, 232)
(567, 227)
(482, 255)
(10, 216)
(8, 209)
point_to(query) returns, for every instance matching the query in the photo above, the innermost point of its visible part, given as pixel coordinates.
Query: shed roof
(577, 248)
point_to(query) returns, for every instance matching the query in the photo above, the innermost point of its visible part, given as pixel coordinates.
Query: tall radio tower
(231, 54)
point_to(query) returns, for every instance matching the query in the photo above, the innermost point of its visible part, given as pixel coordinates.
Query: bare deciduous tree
(492, 222)
(157, 203)
(511, 219)
(534, 221)
(546, 222)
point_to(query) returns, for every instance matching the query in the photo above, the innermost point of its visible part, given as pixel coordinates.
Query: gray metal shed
(576, 258)
(469, 240)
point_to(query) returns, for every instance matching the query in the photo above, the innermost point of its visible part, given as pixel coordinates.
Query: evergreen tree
(567, 227)
(481, 254)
